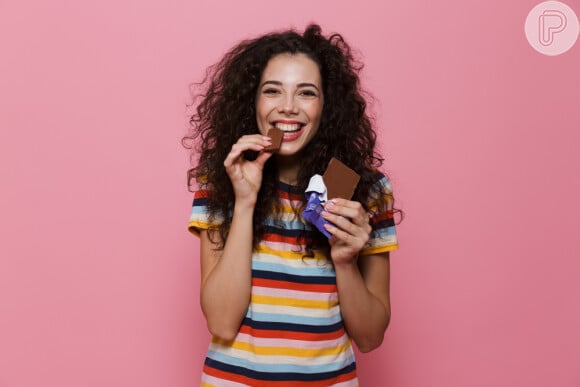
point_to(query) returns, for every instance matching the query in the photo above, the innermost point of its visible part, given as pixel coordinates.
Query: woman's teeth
(288, 127)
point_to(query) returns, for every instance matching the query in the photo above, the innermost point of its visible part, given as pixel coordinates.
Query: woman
(282, 301)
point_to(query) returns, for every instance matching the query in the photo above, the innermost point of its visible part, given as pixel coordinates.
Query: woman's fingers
(255, 142)
(340, 234)
(350, 229)
(351, 221)
(345, 224)
(348, 239)
(349, 209)
(263, 157)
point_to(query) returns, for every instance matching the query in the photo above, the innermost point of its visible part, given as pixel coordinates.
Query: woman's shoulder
(381, 182)
(201, 187)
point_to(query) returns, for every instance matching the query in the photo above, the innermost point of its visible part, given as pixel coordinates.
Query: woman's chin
(291, 148)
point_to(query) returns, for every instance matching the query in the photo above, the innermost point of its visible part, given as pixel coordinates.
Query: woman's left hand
(350, 232)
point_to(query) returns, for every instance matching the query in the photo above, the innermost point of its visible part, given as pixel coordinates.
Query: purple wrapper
(313, 212)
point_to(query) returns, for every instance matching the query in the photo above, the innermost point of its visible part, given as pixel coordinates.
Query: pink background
(99, 278)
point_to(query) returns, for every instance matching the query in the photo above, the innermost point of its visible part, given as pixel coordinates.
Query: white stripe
(219, 382)
(283, 246)
(322, 264)
(295, 311)
(280, 342)
(297, 294)
(278, 359)
(350, 383)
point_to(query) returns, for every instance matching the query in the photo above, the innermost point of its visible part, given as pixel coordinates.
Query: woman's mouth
(292, 131)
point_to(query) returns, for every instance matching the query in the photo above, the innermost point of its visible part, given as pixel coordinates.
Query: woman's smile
(290, 98)
(292, 129)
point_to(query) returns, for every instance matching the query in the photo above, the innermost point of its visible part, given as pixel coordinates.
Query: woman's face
(290, 98)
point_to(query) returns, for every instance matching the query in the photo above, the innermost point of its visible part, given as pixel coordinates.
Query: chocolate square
(276, 135)
(340, 180)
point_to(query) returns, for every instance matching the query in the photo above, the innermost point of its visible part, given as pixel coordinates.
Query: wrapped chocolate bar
(316, 197)
(339, 181)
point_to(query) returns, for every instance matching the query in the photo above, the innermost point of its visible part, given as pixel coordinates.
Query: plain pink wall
(99, 278)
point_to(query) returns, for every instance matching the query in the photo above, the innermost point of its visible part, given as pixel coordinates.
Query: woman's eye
(308, 93)
(270, 91)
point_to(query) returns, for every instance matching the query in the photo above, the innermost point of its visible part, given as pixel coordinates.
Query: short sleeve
(383, 236)
(200, 218)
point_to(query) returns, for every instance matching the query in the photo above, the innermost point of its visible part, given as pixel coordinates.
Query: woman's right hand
(245, 175)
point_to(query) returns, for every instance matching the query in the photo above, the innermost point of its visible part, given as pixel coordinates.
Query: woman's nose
(288, 106)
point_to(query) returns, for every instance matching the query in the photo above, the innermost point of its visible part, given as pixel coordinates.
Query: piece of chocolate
(340, 180)
(276, 135)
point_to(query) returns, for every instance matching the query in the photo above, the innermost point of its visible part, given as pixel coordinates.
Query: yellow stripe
(198, 224)
(287, 301)
(287, 209)
(286, 351)
(287, 212)
(289, 254)
(380, 249)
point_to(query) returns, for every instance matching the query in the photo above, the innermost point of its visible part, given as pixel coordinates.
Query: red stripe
(219, 374)
(282, 238)
(292, 196)
(291, 335)
(318, 288)
(382, 216)
(202, 193)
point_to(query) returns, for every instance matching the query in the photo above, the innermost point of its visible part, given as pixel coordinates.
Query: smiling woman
(290, 98)
(282, 301)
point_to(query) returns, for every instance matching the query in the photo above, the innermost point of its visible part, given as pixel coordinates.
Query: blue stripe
(281, 367)
(389, 222)
(303, 328)
(201, 202)
(287, 232)
(277, 376)
(299, 279)
(284, 224)
(323, 271)
(382, 233)
(286, 318)
(292, 189)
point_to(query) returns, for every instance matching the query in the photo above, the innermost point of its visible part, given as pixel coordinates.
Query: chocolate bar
(340, 180)
(276, 135)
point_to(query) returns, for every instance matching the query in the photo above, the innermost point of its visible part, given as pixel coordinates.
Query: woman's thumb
(263, 157)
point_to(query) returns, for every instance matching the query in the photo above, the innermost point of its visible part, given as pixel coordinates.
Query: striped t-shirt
(293, 333)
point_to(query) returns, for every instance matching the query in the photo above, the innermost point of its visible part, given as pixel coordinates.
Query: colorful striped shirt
(293, 333)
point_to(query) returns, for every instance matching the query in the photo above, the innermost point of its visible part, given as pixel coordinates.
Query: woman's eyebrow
(306, 84)
(278, 83)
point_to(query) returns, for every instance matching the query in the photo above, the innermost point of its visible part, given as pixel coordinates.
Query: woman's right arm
(226, 275)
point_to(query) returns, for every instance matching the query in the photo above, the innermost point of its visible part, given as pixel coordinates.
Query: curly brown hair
(227, 111)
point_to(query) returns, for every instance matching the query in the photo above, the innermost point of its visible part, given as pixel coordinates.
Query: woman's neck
(288, 167)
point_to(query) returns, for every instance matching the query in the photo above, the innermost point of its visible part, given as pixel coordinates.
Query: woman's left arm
(362, 281)
(363, 291)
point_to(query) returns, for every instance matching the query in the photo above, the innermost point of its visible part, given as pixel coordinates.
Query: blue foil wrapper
(313, 213)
